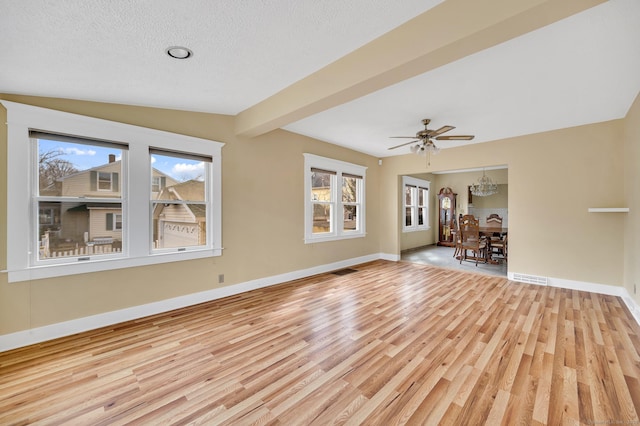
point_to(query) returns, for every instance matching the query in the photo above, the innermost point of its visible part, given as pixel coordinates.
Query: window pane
(175, 177)
(104, 181)
(179, 225)
(79, 229)
(408, 216)
(78, 170)
(350, 189)
(409, 195)
(422, 215)
(321, 218)
(45, 216)
(321, 186)
(422, 196)
(350, 218)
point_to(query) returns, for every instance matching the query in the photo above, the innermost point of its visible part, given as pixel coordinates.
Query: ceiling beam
(448, 32)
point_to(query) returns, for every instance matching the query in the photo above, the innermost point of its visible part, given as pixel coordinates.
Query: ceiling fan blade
(403, 144)
(455, 138)
(440, 131)
(405, 137)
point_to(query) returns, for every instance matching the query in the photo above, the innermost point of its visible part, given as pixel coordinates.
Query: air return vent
(344, 271)
(530, 279)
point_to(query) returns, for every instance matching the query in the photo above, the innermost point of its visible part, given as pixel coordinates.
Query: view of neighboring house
(180, 224)
(72, 226)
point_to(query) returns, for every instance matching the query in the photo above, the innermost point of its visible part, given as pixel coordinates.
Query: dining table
(489, 231)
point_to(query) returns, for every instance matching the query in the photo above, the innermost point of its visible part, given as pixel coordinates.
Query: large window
(104, 195)
(334, 199)
(179, 208)
(416, 204)
(78, 186)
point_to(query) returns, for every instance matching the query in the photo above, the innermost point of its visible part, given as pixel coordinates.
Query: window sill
(426, 228)
(323, 239)
(63, 269)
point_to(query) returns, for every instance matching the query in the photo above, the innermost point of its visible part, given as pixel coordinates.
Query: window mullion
(337, 201)
(137, 207)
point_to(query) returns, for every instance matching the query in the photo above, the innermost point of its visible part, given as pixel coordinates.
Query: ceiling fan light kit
(425, 145)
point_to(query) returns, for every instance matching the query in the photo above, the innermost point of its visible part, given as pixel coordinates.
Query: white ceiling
(583, 69)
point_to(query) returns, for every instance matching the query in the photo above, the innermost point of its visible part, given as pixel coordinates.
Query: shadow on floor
(443, 256)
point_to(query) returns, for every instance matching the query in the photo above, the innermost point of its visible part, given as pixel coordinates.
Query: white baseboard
(390, 257)
(610, 290)
(66, 328)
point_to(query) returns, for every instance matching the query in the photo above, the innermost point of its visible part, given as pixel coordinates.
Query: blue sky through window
(84, 157)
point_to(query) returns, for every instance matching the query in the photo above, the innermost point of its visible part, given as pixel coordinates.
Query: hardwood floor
(392, 343)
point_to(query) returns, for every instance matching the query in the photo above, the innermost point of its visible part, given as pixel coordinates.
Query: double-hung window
(87, 195)
(334, 199)
(416, 204)
(179, 210)
(78, 183)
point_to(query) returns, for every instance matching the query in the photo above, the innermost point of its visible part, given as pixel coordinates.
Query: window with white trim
(415, 205)
(105, 181)
(334, 199)
(90, 191)
(179, 211)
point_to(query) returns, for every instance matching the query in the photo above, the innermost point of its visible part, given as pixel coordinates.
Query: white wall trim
(67, 328)
(610, 290)
(390, 257)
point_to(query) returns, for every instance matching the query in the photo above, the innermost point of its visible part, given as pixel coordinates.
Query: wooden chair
(494, 221)
(470, 241)
(457, 239)
(500, 247)
(469, 218)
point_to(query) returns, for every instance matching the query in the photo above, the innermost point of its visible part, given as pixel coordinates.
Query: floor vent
(344, 271)
(530, 279)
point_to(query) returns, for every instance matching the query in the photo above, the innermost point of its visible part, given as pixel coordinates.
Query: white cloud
(188, 171)
(77, 151)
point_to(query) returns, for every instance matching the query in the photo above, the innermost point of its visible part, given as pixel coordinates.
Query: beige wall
(262, 224)
(458, 182)
(632, 195)
(553, 178)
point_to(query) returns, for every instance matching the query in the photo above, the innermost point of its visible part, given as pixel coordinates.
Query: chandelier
(484, 186)
(425, 148)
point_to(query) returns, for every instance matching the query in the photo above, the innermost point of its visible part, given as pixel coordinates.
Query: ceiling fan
(425, 138)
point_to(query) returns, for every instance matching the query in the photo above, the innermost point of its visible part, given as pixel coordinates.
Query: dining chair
(500, 247)
(469, 218)
(457, 239)
(494, 221)
(470, 241)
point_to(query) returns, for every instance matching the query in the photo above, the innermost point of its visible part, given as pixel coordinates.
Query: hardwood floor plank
(392, 343)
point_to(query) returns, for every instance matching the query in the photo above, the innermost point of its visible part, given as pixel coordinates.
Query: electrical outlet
(634, 288)
(220, 278)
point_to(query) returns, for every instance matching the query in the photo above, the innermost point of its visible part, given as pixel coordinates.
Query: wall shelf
(608, 210)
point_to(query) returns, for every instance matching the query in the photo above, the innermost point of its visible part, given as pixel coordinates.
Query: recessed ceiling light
(179, 52)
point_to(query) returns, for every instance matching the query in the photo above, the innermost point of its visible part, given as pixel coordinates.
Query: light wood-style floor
(392, 343)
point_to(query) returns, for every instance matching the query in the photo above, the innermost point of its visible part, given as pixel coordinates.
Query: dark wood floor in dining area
(389, 343)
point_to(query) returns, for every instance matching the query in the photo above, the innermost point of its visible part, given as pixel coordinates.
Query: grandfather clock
(446, 217)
